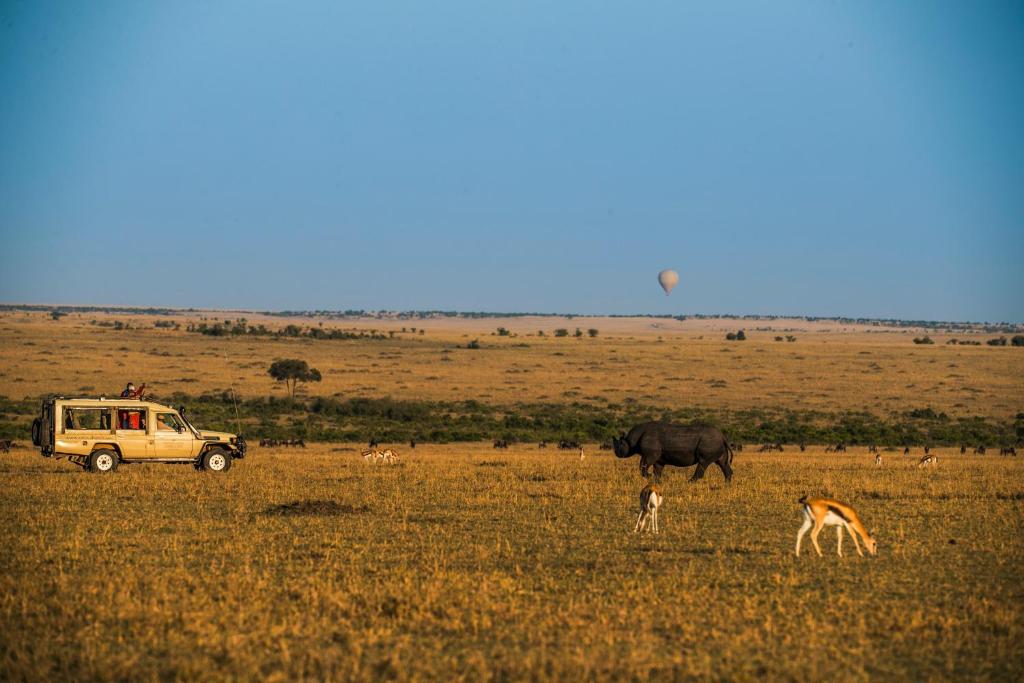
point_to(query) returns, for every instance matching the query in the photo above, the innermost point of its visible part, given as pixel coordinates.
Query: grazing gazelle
(822, 512)
(928, 460)
(650, 501)
(878, 459)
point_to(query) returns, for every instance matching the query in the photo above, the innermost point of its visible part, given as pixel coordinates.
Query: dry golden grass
(465, 563)
(656, 362)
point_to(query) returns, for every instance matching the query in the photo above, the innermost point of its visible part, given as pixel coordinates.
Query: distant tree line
(396, 421)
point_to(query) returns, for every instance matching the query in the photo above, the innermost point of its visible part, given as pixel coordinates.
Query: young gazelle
(928, 460)
(822, 512)
(878, 459)
(650, 501)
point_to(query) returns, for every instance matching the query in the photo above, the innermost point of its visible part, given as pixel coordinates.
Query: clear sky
(848, 158)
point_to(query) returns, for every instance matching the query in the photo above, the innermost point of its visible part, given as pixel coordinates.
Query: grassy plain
(467, 564)
(656, 362)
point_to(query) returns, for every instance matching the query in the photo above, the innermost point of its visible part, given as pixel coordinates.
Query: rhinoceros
(664, 443)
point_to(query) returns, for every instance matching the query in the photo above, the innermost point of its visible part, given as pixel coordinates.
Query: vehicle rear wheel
(102, 461)
(216, 460)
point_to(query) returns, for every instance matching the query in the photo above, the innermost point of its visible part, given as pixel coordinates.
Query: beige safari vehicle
(98, 434)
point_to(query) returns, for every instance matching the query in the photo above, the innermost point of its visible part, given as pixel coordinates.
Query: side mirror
(180, 429)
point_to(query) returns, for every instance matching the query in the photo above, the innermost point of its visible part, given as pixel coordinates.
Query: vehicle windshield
(181, 412)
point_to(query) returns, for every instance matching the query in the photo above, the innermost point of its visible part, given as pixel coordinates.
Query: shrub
(740, 336)
(778, 339)
(502, 332)
(579, 333)
(475, 344)
(593, 333)
(730, 336)
(1000, 341)
(1018, 340)
(923, 340)
(790, 338)
(561, 332)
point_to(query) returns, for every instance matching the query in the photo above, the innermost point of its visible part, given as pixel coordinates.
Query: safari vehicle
(100, 433)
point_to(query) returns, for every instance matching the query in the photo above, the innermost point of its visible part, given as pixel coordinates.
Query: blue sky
(862, 159)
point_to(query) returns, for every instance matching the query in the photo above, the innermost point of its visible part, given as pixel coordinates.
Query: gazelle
(822, 512)
(878, 459)
(582, 454)
(928, 460)
(650, 501)
(389, 456)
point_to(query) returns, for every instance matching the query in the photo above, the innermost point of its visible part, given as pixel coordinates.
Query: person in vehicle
(131, 392)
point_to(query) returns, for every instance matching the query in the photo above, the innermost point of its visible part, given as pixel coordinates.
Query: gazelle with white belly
(650, 501)
(821, 512)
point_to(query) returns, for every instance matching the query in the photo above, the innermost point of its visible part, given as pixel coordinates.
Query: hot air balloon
(668, 279)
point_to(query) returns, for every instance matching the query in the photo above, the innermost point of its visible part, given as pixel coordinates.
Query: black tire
(216, 460)
(102, 461)
(37, 429)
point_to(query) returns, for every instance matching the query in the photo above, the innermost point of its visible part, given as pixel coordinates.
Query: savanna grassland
(467, 563)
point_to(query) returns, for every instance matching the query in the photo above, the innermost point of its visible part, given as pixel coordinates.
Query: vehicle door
(133, 438)
(172, 438)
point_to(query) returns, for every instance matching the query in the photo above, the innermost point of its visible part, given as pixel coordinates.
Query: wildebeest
(373, 444)
(664, 443)
(906, 450)
(963, 448)
(5, 445)
(872, 448)
(1010, 450)
(980, 450)
(542, 444)
(769, 447)
(566, 445)
(501, 443)
(412, 443)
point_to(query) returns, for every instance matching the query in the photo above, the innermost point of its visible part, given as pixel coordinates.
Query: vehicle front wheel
(216, 460)
(102, 461)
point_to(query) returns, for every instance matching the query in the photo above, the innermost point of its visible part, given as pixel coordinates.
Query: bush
(778, 339)
(593, 333)
(475, 344)
(502, 332)
(1001, 341)
(730, 336)
(1018, 340)
(790, 338)
(923, 340)
(740, 336)
(579, 333)
(561, 332)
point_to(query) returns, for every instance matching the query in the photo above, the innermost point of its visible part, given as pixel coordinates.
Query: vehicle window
(168, 422)
(94, 419)
(131, 419)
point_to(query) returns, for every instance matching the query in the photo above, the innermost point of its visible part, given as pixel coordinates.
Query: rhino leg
(699, 472)
(648, 459)
(657, 472)
(723, 463)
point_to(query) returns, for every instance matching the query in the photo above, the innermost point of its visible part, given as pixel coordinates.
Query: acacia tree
(291, 371)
